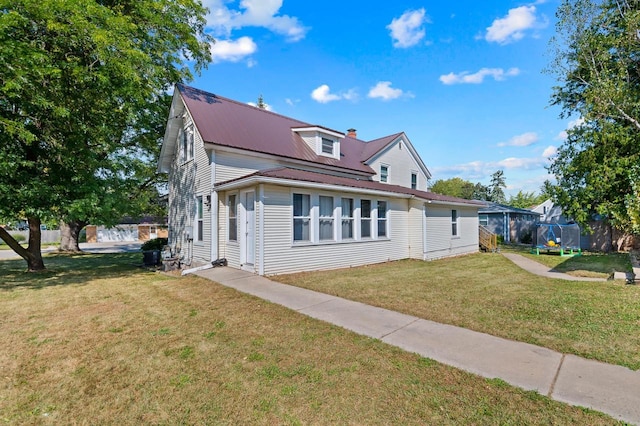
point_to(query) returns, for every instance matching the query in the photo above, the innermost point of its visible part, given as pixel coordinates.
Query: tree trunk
(32, 254)
(70, 235)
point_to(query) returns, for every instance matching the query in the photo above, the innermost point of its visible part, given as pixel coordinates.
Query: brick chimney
(352, 133)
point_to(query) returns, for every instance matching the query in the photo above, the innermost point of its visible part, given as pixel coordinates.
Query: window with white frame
(301, 217)
(384, 173)
(187, 145)
(233, 217)
(382, 218)
(327, 146)
(414, 180)
(454, 223)
(483, 219)
(347, 218)
(365, 218)
(199, 219)
(326, 219)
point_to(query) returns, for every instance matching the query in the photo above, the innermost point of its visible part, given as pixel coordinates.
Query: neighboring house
(271, 194)
(550, 213)
(513, 224)
(129, 229)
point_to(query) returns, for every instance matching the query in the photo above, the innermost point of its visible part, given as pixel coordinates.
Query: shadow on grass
(607, 263)
(69, 269)
(604, 263)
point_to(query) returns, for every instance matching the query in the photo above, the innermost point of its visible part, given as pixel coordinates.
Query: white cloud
(481, 169)
(323, 94)
(233, 50)
(254, 13)
(573, 123)
(408, 30)
(384, 91)
(550, 151)
(524, 139)
(513, 26)
(465, 77)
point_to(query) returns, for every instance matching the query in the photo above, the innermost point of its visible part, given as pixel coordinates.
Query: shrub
(155, 244)
(526, 238)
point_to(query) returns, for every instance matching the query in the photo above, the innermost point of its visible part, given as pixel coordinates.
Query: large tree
(597, 61)
(78, 83)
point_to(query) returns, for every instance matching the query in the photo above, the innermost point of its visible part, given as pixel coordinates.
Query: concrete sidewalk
(542, 270)
(611, 389)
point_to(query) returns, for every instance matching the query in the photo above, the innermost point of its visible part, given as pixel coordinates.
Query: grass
(98, 341)
(488, 293)
(589, 264)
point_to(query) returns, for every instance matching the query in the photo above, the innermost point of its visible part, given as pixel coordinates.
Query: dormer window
(324, 142)
(327, 146)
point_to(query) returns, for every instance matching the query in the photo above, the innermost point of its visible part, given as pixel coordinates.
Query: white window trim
(369, 219)
(198, 237)
(333, 217)
(486, 216)
(351, 217)
(312, 226)
(455, 222)
(386, 220)
(417, 175)
(237, 196)
(387, 176)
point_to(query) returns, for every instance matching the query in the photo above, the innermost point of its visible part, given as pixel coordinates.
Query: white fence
(47, 236)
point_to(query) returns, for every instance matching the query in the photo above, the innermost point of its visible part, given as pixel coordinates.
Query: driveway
(107, 247)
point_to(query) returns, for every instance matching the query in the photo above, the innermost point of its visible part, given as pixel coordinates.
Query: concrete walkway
(611, 389)
(542, 270)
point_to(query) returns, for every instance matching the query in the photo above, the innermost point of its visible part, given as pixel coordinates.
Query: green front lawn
(588, 264)
(98, 340)
(488, 293)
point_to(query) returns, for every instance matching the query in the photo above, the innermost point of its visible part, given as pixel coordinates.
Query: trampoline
(564, 239)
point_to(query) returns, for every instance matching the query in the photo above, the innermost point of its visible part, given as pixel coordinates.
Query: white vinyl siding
(439, 242)
(186, 181)
(400, 164)
(282, 256)
(232, 166)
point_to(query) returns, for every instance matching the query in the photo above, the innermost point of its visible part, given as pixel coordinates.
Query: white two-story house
(272, 195)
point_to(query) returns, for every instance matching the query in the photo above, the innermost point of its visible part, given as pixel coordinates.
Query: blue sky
(463, 79)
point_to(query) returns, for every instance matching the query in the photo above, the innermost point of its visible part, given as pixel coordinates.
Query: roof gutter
(255, 180)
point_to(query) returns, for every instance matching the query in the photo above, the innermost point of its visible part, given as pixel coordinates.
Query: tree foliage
(526, 200)
(496, 191)
(458, 187)
(80, 82)
(597, 61)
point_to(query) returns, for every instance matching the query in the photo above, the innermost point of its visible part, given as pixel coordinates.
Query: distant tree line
(494, 192)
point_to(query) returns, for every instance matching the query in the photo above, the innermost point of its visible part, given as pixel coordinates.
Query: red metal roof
(321, 178)
(229, 123)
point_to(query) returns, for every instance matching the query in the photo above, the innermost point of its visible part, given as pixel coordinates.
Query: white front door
(248, 236)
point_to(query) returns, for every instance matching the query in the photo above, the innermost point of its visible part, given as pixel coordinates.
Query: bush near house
(154, 244)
